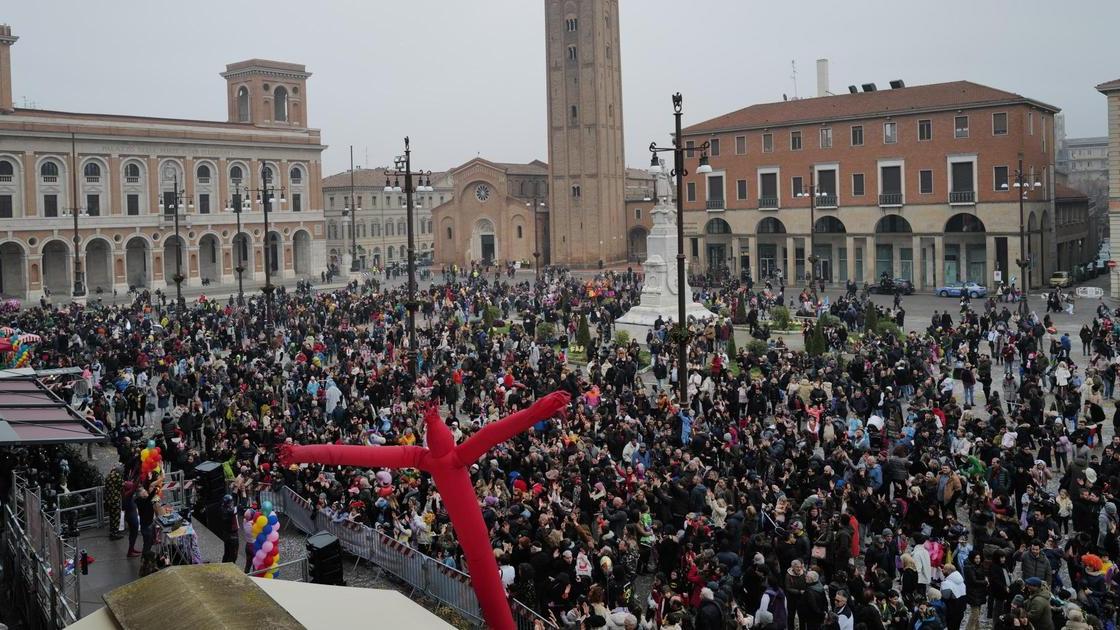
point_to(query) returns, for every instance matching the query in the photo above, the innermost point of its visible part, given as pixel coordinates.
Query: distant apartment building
(913, 182)
(1111, 90)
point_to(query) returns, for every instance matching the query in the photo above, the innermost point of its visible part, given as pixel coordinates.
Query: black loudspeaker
(211, 482)
(324, 559)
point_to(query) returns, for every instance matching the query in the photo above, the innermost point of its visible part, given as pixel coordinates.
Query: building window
(50, 205)
(741, 189)
(132, 204)
(890, 181)
(572, 24)
(280, 104)
(715, 191)
(857, 135)
(890, 132)
(767, 143)
(690, 195)
(330, 202)
(740, 145)
(204, 204)
(575, 112)
(714, 147)
(297, 202)
(93, 205)
(571, 53)
(795, 141)
(960, 127)
(243, 104)
(296, 174)
(688, 149)
(857, 184)
(6, 171)
(826, 138)
(388, 228)
(5, 206)
(925, 182)
(203, 174)
(49, 171)
(92, 172)
(999, 124)
(1030, 123)
(961, 173)
(925, 130)
(694, 243)
(132, 174)
(638, 214)
(768, 189)
(1000, 178)
(519, 231)
(797, 186)
(449, 233)
(235, 174)
(576, 191)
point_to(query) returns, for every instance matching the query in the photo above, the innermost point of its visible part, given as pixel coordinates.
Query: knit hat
(1033, 582)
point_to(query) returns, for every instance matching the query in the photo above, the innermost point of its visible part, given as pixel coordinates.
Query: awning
(31, 414)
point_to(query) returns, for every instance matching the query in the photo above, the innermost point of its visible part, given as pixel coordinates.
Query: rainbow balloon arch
(16, 347)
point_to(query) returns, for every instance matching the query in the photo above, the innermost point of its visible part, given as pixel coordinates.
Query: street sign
(999, 276)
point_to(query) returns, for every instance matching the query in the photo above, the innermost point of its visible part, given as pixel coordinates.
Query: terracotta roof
(1062, 191)
(1109, 86)
(920, 98)
(536, 167)
(364, 178)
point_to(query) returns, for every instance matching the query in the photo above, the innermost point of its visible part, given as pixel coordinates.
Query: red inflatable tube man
(448, 464)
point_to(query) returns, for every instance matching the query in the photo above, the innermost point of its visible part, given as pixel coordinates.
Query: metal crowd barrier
(294, 571)
(423, 573)
(82, 508)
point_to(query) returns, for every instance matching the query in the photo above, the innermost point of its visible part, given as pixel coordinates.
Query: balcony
(50, 179)
(297, 181)
(767, 203)
(890, 200)
(715, 204)
(826, 201)
(204, 180)
(5, 179)
(962, 197)
(132, 180)
(93, 179)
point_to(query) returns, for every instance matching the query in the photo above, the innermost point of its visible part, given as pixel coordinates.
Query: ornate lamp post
(680, 332)
(79, 288)
(402, 167)
(353, 208)
(1025, 259)
(237, 205)
(812, 192)
(179, 202)
(266, 194)
(536, 205)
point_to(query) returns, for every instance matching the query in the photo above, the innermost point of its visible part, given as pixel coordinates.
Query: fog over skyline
(468, 78)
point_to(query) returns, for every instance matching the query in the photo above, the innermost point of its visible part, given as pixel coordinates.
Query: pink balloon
(267, 547)
(273, 537)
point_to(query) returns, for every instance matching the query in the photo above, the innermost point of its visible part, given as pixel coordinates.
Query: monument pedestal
(660, 291)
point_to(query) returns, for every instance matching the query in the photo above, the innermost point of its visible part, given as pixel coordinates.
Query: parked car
(887, 286)
(1060, 279)
(957, 289)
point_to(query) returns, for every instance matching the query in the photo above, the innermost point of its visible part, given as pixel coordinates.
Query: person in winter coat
(1038, 605)
(709, 616)
(922, 563)
(814, 604)
(1034, 563)
(976, 588)
(1106, 523)
(954, 594)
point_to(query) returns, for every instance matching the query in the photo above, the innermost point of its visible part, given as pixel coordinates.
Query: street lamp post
(1024, 188)
(179, 196)
(79, 288)
(236, 205)
(403, 167)
(265, 196)
(678, 149)
(812, 192)
(353, 209)
(536, 204)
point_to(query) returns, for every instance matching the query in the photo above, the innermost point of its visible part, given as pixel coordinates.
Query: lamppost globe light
(704, 167)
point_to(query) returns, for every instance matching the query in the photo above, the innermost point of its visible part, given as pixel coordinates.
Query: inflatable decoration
(449, 465)
(16, 348)
(264, 527)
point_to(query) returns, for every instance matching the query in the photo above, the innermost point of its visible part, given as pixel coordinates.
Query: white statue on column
(659, 291)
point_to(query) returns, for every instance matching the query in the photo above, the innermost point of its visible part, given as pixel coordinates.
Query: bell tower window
(280, 104)
(243, 104)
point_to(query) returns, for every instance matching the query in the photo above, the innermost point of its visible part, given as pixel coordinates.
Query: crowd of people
(871, 486)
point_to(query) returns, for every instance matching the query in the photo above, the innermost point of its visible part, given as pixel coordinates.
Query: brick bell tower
(6, 41)
(586, 165)
(267, 93)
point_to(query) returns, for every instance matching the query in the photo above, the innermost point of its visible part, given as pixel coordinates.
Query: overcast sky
(467, 77)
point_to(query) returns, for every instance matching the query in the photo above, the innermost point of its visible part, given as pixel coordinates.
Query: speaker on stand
(324, 559)
(210, 487)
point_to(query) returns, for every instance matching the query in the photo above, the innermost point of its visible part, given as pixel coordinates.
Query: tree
(816, 344)
(740, 316)
(732, 349)
(870, 317)
(583, 333)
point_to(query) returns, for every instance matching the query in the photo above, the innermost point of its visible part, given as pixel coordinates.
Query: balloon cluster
(16, 347)
(150, 459)
(264, 526)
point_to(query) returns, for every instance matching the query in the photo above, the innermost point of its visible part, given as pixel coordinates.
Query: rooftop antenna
(793, 75)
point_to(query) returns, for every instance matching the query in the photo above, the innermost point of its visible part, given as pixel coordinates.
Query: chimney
(822, 77)
(6, 41)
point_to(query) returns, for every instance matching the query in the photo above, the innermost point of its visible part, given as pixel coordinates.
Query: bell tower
(263, 92)
(586, 166)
